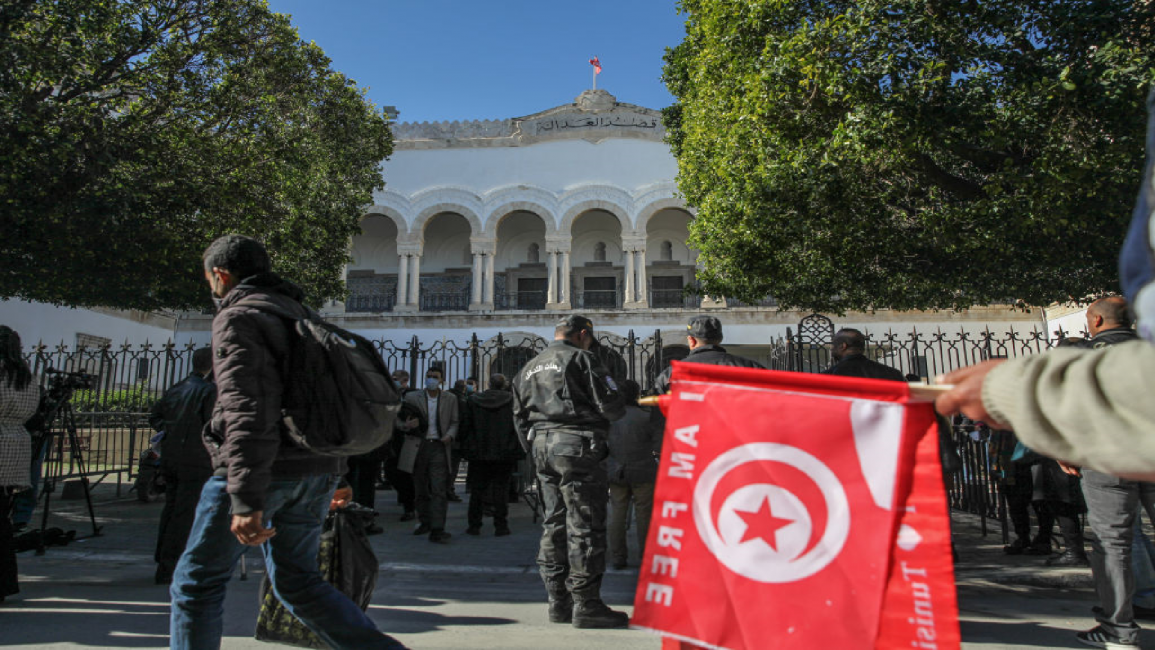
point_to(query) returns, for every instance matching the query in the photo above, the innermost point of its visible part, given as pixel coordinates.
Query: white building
(502, 226)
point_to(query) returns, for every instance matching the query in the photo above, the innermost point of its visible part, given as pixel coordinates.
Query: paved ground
(476, 592)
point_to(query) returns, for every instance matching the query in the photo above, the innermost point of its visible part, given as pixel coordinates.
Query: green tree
(133, 132)
(914, 154)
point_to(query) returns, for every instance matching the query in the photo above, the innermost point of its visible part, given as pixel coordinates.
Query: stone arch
(654, 207)
(576, 211)
(423, 217)
(505, 209)
(394, 215)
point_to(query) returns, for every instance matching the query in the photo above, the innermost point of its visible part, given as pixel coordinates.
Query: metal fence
(129, 378)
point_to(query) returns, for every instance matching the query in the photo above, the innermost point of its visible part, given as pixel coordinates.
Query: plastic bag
(347, 562)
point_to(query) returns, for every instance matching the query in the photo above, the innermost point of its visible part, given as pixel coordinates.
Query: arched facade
(523, 214)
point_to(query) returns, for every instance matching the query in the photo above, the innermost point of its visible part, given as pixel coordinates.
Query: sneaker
(1097, 637)
(422, 529)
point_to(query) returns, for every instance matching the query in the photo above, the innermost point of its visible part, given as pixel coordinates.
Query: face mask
(469, 388)
(431, 383)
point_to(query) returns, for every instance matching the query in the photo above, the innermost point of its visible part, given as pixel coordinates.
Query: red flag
(597, 65)
(774, 514)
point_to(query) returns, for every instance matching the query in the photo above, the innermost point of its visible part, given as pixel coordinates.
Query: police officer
(704, 336)
(564, 401)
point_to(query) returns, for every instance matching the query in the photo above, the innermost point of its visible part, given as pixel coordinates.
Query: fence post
(633, 349)
(475, 363)
(414, 348)
(790, 360)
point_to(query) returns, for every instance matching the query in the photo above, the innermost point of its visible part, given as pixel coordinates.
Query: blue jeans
(296, 508)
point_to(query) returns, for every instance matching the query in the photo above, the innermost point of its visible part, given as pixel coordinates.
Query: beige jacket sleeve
(1092, 408)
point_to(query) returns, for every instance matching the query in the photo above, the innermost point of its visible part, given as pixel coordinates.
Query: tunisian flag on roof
(597, 65)
(797, 511)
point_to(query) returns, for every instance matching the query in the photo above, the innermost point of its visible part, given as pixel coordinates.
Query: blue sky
(461, 59)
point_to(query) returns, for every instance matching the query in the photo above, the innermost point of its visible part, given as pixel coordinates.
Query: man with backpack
(265, 491)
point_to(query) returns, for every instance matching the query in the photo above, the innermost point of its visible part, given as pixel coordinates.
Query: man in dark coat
(181, 413)
(704, 337)
(489, 442)
(849, 352)
(1112, 502)
(264, 490)
(563, 402)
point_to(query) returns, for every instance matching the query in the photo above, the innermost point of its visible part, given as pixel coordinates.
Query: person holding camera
(19, 398)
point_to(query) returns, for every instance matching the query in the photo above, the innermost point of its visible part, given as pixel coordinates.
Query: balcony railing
(672, 298)
(371, 301)
(444, 300)
(600, 299)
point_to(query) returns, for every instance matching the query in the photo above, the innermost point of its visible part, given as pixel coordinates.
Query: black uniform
(184, 462)
(712, 354)
(567, 399)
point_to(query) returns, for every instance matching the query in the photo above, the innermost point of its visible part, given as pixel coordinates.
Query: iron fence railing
(433, 301)
(111, 420)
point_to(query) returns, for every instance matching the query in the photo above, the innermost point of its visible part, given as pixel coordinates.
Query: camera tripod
(59, 424)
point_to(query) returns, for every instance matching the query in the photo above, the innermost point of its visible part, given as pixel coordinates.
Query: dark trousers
(1111, 506)
(1018, 490)
(489, 484)
(431, 480)
(362, 477)
(1067, 514)
(8, 575)
(182, 492)
(574, 493)
(402, 482)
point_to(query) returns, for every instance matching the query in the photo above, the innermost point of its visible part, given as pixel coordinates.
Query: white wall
(39, 322)
(555, 166)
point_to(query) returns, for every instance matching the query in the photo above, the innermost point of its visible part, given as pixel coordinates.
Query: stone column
(558, 249)
(475, 299)
(415, 282)
(551, 290)
(709, 302)
(401, 303)
(564, 299)
(630, 279)
(635, 297)
(489, 280)
(643, 282)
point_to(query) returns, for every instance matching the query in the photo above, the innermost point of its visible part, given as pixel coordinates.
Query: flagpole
(594, 68)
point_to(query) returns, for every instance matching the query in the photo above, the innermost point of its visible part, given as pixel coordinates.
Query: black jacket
(488, 433)
(182, 413)
(714, 355)
(565, 388)
(1112, 337)
(857, 365)
(244, 437)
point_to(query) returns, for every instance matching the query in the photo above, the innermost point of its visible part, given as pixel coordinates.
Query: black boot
(595, 614)
(1069, 557)
(561, 610)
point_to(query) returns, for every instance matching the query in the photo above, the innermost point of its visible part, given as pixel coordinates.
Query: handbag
(347, 562)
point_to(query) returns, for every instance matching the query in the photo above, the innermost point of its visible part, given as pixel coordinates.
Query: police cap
(706, 328)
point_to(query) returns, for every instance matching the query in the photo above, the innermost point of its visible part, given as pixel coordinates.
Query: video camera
(62, 380)
(61, 385)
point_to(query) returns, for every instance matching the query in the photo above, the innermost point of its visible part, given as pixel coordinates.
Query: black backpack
(339, 399)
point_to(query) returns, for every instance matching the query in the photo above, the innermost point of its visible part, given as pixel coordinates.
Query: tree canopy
(915, 154)
(133, 132)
